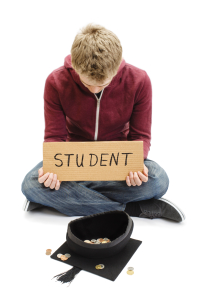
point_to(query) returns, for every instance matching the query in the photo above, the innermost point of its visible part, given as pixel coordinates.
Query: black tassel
(68, 276)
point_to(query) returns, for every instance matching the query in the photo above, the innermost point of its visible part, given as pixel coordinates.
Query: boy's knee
(159, 175)
(31, 179)
(164, 181)
(26, 184)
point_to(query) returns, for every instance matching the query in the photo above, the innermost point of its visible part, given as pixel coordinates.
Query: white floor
(166, 264)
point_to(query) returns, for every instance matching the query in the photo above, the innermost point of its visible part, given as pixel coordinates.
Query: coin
(48, 251)
(97, 242)
(67, 255)
(105, 239)
(87, 241)
(102, 266)
(130, 268)
(93, 241)
(63, 257)
(59, 255)
(130, 272)
(104, 242)
(98, 267)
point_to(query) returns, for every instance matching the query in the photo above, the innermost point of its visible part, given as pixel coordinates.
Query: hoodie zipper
(97, 115)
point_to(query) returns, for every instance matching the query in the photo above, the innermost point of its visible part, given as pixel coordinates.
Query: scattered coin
(59, 255)
(104, 242)
(48, 251)
(130, 272)
(105, 239)
(130, 268)
(98, 267)
(93, 241)
(67, 255)
(87, 241)
(63, 257)
(102, 266)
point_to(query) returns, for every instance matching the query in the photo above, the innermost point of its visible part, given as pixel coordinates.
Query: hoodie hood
(68, 65)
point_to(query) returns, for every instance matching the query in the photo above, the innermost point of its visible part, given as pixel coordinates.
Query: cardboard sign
(93, 161)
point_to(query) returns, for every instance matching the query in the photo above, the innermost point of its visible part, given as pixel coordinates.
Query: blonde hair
(96, 53)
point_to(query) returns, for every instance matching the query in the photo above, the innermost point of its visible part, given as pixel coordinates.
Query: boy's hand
(137, 177)
(49, 179)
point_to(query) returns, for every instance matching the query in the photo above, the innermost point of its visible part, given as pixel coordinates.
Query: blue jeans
(82, 198)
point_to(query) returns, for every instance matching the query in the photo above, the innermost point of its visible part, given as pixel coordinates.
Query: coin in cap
(93, 241)
(100, 240)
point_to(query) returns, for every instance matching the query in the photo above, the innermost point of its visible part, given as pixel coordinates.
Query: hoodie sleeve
(141, 118)
(55, 121)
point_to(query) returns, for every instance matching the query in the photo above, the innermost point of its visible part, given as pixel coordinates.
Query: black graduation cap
(117, 226)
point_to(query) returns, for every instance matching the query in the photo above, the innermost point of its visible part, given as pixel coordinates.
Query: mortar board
(117, 226)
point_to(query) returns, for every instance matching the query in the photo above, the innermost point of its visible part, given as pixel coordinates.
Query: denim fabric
(82, 198)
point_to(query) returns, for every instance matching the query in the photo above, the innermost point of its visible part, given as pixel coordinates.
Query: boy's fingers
(57, 185)
(131, 179)
(137, 179)
(47, 183)
(40, 172)
(142, 176)
(128, 181)
(54, 181)
(43, 178)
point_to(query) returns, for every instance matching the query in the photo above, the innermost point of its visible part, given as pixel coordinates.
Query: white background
(160, 37)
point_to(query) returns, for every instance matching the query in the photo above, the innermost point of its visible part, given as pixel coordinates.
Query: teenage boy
(98, 96)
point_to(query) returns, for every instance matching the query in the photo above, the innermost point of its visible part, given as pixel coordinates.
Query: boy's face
(94, 88)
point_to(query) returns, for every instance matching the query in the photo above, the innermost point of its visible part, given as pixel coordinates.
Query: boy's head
(96, 55)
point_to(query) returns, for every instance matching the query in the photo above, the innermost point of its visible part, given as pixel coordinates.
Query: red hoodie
(123, 111)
